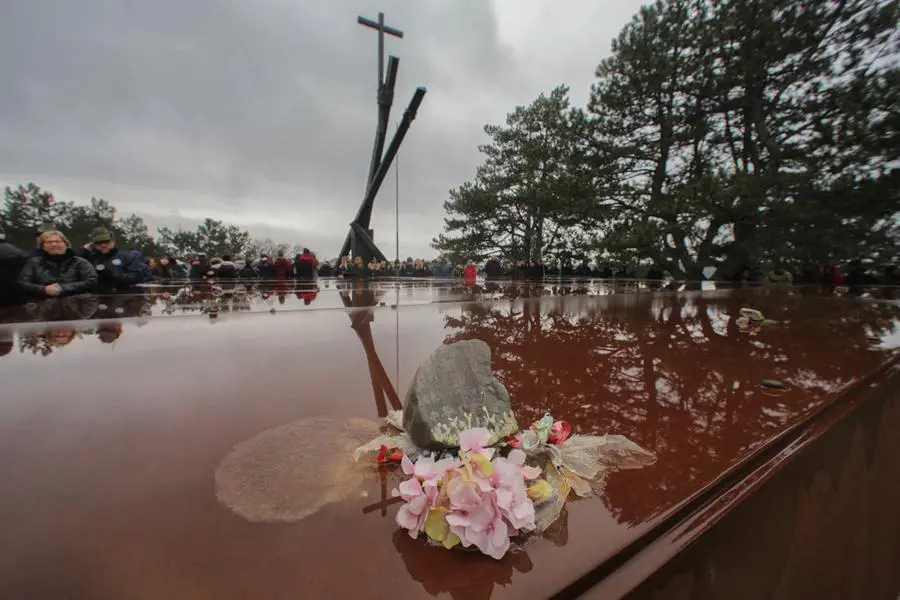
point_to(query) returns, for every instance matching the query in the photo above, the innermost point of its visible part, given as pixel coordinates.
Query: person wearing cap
(116, 269)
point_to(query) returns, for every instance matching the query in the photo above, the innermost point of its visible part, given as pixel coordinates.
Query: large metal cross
(359, 239)
(382, 29)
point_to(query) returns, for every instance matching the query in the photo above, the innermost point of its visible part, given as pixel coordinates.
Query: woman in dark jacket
(55, 270)
(167, 268)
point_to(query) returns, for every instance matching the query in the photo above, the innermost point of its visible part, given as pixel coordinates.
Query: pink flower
(511, 493)
(481, 501)
(426, 470)
(559, 432)
(464, 495)
(482, 527)
(420, 492)
(475, 441)
(411, 515)
(517, 457)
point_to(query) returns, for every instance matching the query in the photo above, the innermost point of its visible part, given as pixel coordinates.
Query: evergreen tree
(28, 208)
(534, 195)
(750, 131)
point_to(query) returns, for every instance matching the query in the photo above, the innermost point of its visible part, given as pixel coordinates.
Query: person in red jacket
(283, 268)
(306, 265)
(831, 279)
(470, 274)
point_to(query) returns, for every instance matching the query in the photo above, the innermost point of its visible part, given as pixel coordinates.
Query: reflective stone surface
(116, 412)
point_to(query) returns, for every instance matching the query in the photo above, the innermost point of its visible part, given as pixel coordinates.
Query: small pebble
(772, 384)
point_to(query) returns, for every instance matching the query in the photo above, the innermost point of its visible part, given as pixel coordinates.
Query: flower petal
(451, 540)
(483, 463)
(474, 439)
(531, 472)
(463, 494)
(516, 457)
(411, 488)
(540, 490)
(436, 526)
(424, 468)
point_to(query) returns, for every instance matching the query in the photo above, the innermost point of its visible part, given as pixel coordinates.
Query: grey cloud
(220, 95)
(235, 98)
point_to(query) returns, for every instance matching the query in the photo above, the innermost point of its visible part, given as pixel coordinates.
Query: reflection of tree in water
(674, 374)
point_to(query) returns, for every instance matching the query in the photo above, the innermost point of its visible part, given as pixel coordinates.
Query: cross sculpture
(359, 240)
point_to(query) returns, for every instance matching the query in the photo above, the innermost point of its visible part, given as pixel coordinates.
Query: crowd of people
(56, 268)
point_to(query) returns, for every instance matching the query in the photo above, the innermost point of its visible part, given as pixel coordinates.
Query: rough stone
(454, 389)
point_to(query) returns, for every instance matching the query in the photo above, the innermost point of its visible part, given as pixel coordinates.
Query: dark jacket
(201, 271)
(305, 267)
(247, 273)
(283, 268)
(493, 269)
(10, 252)
(74, 274)
(11, 261)
(119, 268)
(266, 270)
(227, 271)
(170, 272)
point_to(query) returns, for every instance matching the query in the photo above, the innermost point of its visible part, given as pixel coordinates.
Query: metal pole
(380, 51)
(397, 206)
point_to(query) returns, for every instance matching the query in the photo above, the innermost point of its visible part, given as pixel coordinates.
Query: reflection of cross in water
(361, 322)
(385, 499)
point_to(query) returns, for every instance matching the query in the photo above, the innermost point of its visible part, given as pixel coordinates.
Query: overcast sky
(262, 113)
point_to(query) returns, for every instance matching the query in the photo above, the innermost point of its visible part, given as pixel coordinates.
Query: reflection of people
(73, 308)
(123, 305)
(307, 293)
(6, 342)
(55, 270)
(46, 342)
(109, 332)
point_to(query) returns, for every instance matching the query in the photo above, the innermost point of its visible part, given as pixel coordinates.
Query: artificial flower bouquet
(485, 497)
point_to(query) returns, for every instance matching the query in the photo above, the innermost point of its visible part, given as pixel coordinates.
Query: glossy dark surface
(110, 430)
(822, 523)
